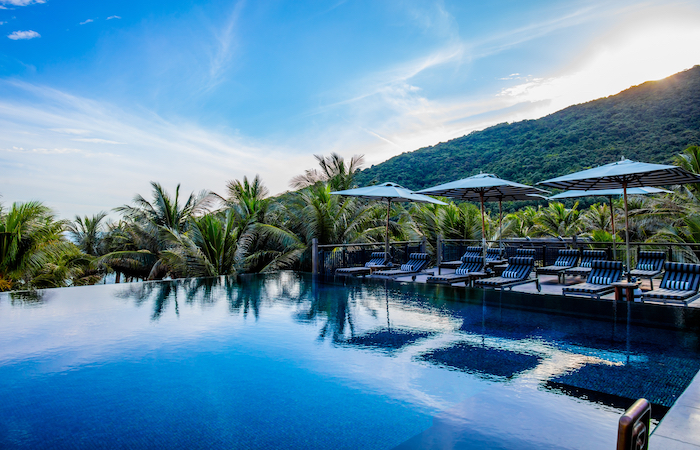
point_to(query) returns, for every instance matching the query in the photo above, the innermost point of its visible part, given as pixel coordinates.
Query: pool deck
(549, 284)
(680, 427)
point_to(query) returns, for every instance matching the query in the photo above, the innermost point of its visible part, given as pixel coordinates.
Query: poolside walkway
(549, 284)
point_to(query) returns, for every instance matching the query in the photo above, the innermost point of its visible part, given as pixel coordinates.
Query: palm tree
(522, 223)
(689, 159)
(333, 170)
(30, 238)
(150, 226)
(87, 233)
(557, 220)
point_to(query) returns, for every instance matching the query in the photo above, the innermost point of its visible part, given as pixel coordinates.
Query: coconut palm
(521, 223)
(333, 170)
(30, 238)
(150, 225)
(558, 220)
(87, 233)
(689, 159)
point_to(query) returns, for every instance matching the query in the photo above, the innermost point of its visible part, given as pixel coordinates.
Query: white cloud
(113, 17)
(90, 180)
(98, 141)
(20, 2)
(70, 131)
(87, 21)
(3, 23)
(17, 35)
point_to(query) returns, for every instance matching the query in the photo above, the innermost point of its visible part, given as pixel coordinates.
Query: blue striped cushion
(561, 262)
(678, 285)
(509, 274)
(407, 267)
(599, 280)
(585, 263)
(645, 267)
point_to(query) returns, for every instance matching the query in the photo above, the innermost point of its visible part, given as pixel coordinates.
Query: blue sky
(99, 98)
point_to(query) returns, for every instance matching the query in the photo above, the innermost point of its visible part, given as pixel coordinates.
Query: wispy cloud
(70, 131)
(19, 35)
(21, 2)
(87, 21)
(98, 141)
(167, 151)
(57, 151)
(113, 17)
(222, 55)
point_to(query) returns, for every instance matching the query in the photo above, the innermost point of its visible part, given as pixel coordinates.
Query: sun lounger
(471, 251)
(495, 255)
(472, 267)
(584, 267)
(599, 282)
(378, 260)
(416, 263)
(526, 252)
(566, 259)
(679, 284)
(518, 272)
(650, 264)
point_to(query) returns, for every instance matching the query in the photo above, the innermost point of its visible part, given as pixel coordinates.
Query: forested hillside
(651, 122)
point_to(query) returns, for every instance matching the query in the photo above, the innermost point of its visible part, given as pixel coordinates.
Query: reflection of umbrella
(623, 174)
(610, 193)
(390, 192)
(485, 187)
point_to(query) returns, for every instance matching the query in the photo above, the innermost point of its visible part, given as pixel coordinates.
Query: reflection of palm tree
(245, 297)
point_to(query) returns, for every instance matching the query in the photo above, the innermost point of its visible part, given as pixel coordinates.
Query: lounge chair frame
(587, 258)
(472, 267)
(566, 259)
(604, 269)
(676, 272)
(521, 267)
(654, 260)
(415, 265)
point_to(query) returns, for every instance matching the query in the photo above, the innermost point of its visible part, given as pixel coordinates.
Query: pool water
(284, 361)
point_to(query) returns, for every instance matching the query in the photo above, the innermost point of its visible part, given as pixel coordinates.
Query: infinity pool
(284, 362)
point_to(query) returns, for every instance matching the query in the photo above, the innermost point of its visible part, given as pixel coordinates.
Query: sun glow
(626, 58)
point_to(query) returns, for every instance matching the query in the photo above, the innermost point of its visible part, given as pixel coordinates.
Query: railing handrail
(580, 242)
(367, 244)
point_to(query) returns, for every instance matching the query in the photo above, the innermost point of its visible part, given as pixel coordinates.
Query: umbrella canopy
(610, 193)
(623, 174)
(485, 187)
(391, 192)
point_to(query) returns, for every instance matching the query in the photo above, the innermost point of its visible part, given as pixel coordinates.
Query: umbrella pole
(483, 229)
(500, 223)
(386, 242)
(627, 231)
(612, 222)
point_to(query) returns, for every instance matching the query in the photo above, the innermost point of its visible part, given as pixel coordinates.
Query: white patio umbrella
(623, 174)
(610, 193)
(391, 192)
(485, 187)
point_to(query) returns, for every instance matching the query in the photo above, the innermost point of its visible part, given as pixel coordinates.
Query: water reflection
(577, 348)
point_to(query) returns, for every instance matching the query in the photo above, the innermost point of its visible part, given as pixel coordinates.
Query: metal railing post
(633, 427)
(438, 251)
(314, 256)
(423, 245)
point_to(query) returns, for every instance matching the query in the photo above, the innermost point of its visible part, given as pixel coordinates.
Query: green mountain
(651, 122)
